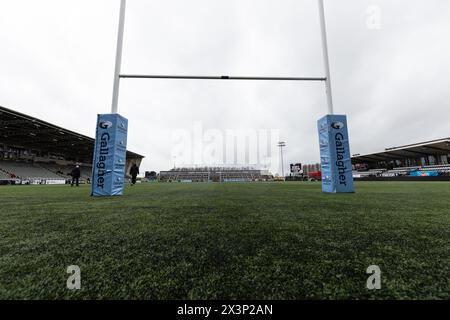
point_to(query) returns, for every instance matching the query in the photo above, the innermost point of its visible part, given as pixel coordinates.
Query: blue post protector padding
(108, 169)
(335, 156)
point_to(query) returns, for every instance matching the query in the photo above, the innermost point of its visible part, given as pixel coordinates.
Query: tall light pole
(115, 99)
(325, 57)
(281, 145)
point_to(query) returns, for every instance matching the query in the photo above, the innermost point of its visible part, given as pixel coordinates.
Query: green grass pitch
(226, 241)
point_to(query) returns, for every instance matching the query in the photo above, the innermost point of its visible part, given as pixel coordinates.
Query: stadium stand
(24, 170)
(35, 151)
(4, 175)
(214, 174)
(64, 170)
(370, 173)
(425, 158)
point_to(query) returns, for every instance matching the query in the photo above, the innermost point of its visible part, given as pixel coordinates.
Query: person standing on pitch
(134, 171)
(76, 173)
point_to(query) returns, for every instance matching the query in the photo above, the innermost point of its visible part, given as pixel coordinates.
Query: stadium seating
(42, 171)
(24, 170)
(39, 172)
(402, 171)
(215, 174)
(445, 168)
(4, 175)
(63, 170)
(370, 173)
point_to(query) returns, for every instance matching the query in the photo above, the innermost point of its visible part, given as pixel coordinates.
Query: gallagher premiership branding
(335, 155)
(101, 163)
(108, 172)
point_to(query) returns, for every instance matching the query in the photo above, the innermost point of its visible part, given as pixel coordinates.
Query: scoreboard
(296, 169)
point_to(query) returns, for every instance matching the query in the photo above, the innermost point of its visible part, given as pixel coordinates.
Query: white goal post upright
(326, 59)
(115, 99)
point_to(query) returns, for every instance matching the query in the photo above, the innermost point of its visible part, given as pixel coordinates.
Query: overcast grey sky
(57, 64)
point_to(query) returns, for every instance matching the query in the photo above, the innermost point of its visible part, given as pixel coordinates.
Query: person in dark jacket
(76, 173)
(134, 171)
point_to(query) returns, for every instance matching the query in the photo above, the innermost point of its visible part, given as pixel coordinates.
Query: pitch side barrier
(405, 179)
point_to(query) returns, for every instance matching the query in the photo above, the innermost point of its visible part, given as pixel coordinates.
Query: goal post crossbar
(192, 77)
(118, 75)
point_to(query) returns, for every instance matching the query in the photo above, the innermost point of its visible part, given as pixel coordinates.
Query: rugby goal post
(110, 150)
